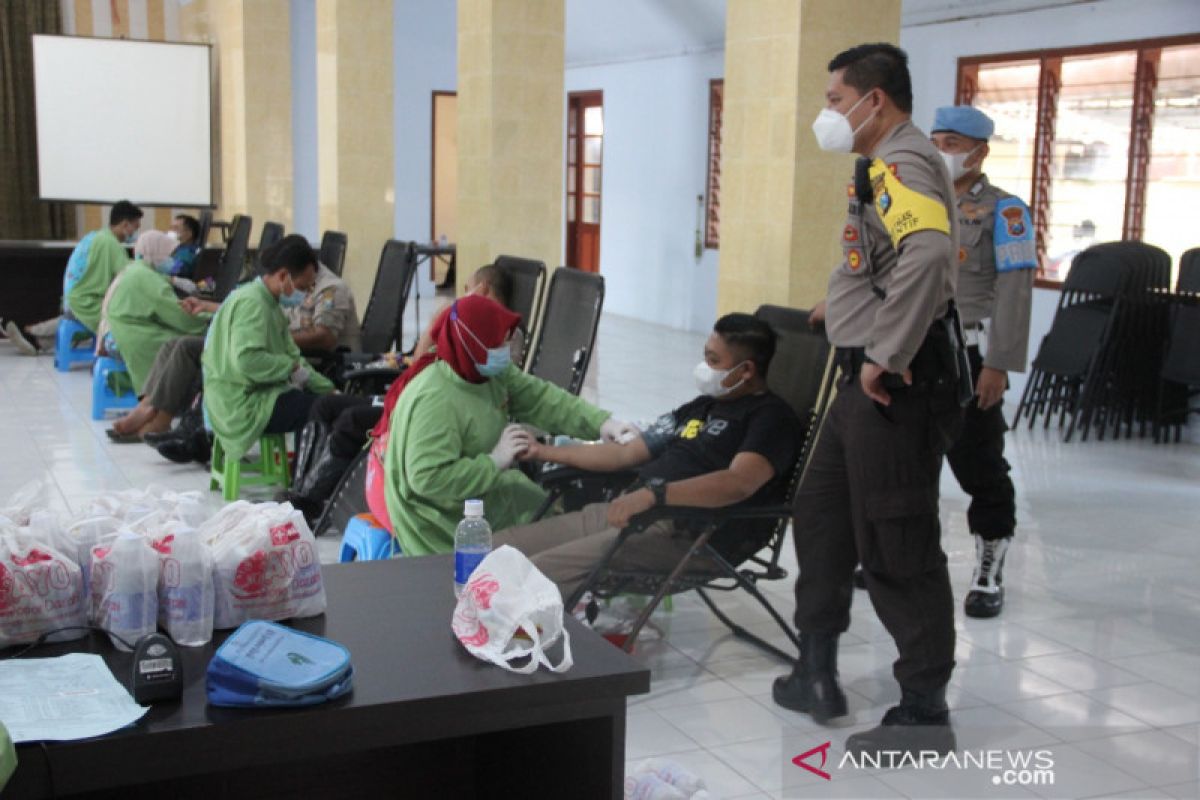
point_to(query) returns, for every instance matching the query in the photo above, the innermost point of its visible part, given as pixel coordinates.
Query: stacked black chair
(1099, 363)
(528, 282)
(233, 260)
(802, 374)
(1179, 379)
(333, 251)
(566, 336)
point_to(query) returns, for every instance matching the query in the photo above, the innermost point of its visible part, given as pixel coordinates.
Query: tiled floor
(1095, 660)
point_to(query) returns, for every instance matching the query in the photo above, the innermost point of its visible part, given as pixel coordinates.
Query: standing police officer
(870, 493)
(996, 260)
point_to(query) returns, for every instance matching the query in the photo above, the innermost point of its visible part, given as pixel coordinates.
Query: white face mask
(708, 380)
(956, 163)
(833, 131)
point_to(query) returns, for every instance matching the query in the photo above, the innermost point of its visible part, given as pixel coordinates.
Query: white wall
(655, 164)
(934, 50)
(425, 46)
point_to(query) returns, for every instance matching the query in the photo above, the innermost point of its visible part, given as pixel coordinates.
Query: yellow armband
(904, 210)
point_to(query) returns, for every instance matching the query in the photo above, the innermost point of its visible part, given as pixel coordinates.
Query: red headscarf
(463, 333)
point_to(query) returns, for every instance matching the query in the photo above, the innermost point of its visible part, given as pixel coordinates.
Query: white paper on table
(69, 697)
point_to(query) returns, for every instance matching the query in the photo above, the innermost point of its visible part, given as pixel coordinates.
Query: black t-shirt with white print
(706, 434)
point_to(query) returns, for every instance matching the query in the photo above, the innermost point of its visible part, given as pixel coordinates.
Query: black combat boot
(986, 598)
(312, 490)
(813, 687)
(920, 723)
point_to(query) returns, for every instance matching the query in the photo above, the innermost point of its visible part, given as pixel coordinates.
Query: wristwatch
(659, 487)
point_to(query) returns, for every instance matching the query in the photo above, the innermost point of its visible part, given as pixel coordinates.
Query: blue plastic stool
(103, 398)
(366, 540)
(64, 354)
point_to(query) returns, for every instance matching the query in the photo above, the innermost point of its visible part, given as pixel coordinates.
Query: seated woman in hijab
(450, 431)
(143, 314)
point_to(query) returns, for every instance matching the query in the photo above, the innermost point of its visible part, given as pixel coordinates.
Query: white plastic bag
(24, 501)
(265, 566)
(125, 588)
(508, 595)
(41, 590)
(85, 534)
(185, 586)
(659, 779)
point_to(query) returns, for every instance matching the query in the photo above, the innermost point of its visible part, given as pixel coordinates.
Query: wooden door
(585, 155)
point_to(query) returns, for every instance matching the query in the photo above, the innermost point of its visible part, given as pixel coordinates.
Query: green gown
(248, 356)
(143, 315)
(443, 430)
(106, 259)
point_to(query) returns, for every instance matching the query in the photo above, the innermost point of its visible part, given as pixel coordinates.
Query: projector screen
(120, 119)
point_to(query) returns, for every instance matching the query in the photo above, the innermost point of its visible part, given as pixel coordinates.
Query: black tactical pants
(870, 495)
(977, 460)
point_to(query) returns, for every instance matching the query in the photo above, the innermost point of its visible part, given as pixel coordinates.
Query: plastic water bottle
(472, 543)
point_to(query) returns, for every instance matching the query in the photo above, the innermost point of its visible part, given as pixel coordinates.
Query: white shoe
(17, 338)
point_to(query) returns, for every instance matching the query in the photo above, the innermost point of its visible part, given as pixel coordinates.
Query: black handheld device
(157, 670)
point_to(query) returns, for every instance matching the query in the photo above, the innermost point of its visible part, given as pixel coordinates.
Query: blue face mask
(498, 360)
(164, 267)
(291, 300)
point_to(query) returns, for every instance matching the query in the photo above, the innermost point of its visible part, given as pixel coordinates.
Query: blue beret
(967, 120)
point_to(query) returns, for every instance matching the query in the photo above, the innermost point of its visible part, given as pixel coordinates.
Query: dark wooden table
(426, 719)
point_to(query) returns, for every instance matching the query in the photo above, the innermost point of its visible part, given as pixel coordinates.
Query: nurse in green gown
(255, 379)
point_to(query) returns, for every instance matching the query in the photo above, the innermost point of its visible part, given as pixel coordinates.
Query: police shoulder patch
(904, 210)
(1013, 236)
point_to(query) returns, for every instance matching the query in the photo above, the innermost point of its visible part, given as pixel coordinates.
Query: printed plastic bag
(125, 588)
(84, 534)
(185, 586)
(505, 596)
(266, 567)
(41, 590)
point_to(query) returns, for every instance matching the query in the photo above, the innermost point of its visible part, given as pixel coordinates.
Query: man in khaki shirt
(997, 256)
(870, 493)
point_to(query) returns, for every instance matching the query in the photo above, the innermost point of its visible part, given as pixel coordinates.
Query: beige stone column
(254, 100)
(783, 199)
(355, 132)
(510, 131)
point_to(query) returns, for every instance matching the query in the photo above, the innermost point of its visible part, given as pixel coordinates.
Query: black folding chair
(566, 335)
(1188, 281)
(1179, 381)
(333, 251)
(528, 282)
(801, 373)
(206, 223)
(1070, 354)
(382, 322)
(233, 260)
(272, 232)
(348, 499)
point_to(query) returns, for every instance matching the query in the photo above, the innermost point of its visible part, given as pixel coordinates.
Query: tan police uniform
(870, 493)
(329, 304)
(995, 306)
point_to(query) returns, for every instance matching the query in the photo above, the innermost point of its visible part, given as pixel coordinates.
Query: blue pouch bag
(263, 664)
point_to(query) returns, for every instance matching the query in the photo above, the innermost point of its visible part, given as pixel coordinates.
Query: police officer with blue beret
(997, 257)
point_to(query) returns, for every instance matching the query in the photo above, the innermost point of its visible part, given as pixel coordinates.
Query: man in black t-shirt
(734, 444)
